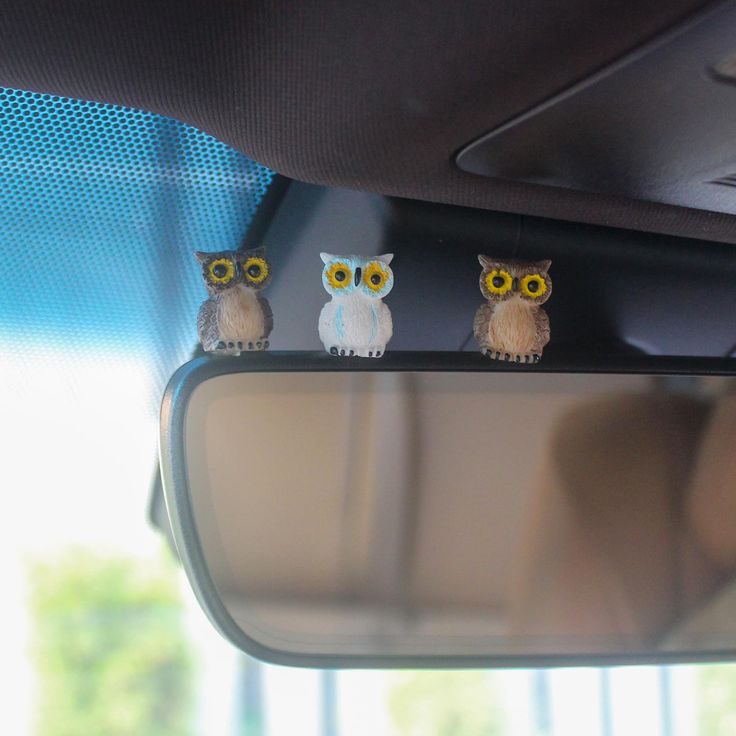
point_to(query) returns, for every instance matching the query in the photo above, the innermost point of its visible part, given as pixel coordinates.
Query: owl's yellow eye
(498, 281)
(256, 270)
(375, 276)
(221, 270)
(339, 276)
(533, 286)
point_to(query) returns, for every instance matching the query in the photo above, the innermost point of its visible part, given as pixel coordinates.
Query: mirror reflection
(469, 513)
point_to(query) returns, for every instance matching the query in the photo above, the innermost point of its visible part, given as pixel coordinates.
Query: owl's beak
(515, 284)
(358, 272)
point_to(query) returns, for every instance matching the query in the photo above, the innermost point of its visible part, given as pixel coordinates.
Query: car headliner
(375, 96)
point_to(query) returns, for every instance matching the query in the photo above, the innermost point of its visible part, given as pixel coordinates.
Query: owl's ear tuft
(201, 256)
(485, 261)
(543, 265)
(326, 257)
(386, 258)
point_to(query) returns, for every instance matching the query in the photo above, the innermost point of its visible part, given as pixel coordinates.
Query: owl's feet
(370, 352)
(347, 352)
(235, 347)
(224, 347)
(511, 357)
(256, 345)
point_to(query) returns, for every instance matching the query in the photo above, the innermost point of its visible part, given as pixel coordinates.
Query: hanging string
(730, 352)
(519, 225)
(466, 341)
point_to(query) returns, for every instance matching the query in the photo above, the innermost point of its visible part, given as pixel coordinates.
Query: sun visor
(656, 126)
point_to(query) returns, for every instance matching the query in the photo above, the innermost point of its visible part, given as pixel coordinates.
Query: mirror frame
(178, 497)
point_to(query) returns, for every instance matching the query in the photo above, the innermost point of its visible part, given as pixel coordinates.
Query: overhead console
(658, 125)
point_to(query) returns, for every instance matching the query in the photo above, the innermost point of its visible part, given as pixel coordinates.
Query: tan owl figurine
(512, 325)
(235, 318)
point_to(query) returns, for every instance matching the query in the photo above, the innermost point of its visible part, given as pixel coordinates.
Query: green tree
(444, 704)
(110, 647)
(716, 698)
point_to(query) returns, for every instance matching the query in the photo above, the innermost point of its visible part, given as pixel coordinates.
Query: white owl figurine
(356, 322)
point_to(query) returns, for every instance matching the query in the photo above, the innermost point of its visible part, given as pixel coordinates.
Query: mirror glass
(459, 514)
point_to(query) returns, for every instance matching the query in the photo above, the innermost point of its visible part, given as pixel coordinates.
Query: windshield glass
(102, 209)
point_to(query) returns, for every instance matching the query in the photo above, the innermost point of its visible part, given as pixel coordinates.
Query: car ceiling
(376, 96)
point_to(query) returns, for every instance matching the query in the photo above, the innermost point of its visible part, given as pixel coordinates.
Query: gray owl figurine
(236, 317)
(356, 322)
(512, 325)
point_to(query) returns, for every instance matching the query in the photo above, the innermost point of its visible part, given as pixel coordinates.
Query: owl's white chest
(355, 321)
(239, 315)
(512, 327)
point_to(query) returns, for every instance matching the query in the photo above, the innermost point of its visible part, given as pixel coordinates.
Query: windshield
(102, 210)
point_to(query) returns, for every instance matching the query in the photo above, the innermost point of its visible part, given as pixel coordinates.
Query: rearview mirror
(444, 512)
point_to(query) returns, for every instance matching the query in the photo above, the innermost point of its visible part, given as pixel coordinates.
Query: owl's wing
(207, 324)
(482, 322)
(542, 324)
(267, 315)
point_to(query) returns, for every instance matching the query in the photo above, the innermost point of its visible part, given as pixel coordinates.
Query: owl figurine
(236, 317)
(356, 322)
(512, 325)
